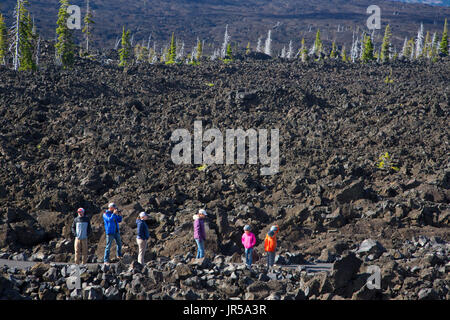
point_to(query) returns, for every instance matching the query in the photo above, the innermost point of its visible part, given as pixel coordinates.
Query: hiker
(200, 233)
(81, 229)
(248, 241)
(142, 235)
(111, 219)
(270, 245)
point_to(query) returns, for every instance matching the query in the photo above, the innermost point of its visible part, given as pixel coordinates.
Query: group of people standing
(81, 228)
(248, 240)
(270, 245)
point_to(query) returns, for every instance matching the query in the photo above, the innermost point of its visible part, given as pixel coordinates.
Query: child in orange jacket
(270, 245)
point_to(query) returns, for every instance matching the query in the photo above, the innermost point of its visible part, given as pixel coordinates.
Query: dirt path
(310, 268)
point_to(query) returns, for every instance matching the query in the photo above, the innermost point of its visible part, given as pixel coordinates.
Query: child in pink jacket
(248, 241)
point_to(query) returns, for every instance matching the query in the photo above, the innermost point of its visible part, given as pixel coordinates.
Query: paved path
(310, 268)
(28, 264)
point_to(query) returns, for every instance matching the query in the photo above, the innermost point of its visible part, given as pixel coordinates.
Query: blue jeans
(248, 256)
(200, 248)
(109, 240)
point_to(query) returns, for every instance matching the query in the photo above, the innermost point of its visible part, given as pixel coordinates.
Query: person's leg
(77, 251)
(198, 248)
(109, 239)
(119, 245)
(272, 258)
(249, 258)
(138, 241)
(268, 260)
(141, 250)
(84, 251)
(202, 249)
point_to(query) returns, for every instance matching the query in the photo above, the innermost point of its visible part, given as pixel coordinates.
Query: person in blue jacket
(111, 219)
(142, 236)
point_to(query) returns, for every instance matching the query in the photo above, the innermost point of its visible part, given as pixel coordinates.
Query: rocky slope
(97, 133)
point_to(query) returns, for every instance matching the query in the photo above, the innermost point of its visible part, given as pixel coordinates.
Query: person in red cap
(81, 229)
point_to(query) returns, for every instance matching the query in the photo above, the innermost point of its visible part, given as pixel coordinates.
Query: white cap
(112, 204)
(202, 211)
(142, 214)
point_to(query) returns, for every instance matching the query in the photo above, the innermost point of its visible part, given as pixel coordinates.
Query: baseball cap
(142, 214)
(273, 228)
(202, 211)
(112, 205)
(247, 227)
(80, 210)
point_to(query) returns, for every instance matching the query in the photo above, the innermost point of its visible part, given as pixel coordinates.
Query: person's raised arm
(118, 215)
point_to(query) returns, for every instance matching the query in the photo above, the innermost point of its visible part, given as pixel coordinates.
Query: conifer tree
(333, 54)
(427, 46)
(268, 44)
(259, 45)
(140, 52)
(16, 33)
(199, 50)
(152, 56)
(433, 45)
(404, 48)
(318, 44)
(229, 54)
(65, 46)
(283, 52)
(411, 49)
(354, 49)
(368, 50)
(289, 51)
(303, 51)
(125, 50)
(226, 40)
(386, 45)
(28, 39)
(419, 42)
(443, 46)
(164, 54)
(180, 52)
(3, 40)
(23, 38)
(376, 56)
(88, 21)
(172, 50)
(344, 55)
